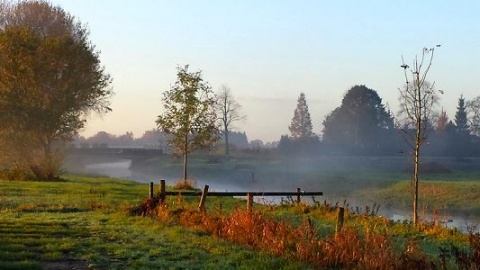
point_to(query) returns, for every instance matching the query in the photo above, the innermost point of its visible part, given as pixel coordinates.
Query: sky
(270, 51)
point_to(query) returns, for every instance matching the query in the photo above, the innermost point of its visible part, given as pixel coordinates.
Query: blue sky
(268, 52)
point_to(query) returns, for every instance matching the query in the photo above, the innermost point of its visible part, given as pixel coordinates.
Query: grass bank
(83, 223)
(307, 233)
(451, 197)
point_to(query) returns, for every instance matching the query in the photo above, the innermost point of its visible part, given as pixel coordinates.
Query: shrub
(188, 184)
(16, 174)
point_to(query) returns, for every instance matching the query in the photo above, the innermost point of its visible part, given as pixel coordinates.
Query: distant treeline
(447, 142)
(154, 139)
(362, 125)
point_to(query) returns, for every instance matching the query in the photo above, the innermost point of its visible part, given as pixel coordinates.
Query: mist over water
(118, 169)
(121, 169)
(339, 178)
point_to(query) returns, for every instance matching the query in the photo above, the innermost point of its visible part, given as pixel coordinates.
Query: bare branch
(229, 111)
(417, 102)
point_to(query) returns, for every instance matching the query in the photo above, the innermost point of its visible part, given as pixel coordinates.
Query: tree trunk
(227, 148)
(48, 162)
(185, 160)
(418, 142)
(42, 164)
(415, 184)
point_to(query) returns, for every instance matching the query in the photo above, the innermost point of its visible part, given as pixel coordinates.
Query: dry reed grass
(188, 184)
(348, 249)
(360, 245)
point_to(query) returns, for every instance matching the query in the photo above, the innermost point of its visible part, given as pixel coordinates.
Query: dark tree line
(363, 125)
(150, 139)
(454, 138)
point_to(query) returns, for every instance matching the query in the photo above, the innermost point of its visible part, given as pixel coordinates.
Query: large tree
(360, 124)
(417, 101)
(50, 79)
(189, 115)
(302, 140)
(461, 120)
(229, 111)
(301, 125)
(461, 140)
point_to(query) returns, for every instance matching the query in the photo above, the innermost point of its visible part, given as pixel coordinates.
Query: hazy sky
(268, 52)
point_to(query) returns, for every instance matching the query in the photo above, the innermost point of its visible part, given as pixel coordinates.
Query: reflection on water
(120, 169)
(461, 223)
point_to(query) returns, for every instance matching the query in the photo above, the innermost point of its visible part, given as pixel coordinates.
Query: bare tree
(417, 101)
(3, 12)
(473, 109)
(229, 111)
(442, 122)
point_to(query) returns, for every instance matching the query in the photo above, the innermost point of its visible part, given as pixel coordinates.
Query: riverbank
(448, 193)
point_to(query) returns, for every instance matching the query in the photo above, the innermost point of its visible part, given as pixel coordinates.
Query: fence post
(201, 206)
(150, 190)
(162, 188)
(298, 195)
(340, 213)
(249, 202)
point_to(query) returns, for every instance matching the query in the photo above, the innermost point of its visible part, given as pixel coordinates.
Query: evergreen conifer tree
(301, 126)
(461, 121)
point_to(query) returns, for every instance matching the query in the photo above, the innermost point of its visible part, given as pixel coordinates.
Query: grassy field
(281, 236)
(454, 196)
(86, 223)
(83, 223)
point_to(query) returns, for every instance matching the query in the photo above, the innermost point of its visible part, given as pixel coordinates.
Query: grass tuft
(188, 184)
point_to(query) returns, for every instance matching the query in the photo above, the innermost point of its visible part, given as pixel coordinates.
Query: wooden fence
(204, 193)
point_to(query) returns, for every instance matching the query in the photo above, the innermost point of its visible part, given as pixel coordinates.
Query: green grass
(456, 196)
(83, 223)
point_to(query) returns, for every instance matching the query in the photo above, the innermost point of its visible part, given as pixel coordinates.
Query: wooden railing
(204, 193)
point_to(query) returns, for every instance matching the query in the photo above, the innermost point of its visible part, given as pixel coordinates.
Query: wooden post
(298, 195)
(150, 190)
(249, 202)
(201, 205)
(162, 188)
(340, 213)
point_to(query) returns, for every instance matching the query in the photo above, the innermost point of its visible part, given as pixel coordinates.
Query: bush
(34, 166)
(16, 174)
(188, 184)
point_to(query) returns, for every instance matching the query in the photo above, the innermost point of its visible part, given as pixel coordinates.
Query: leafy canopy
(50, 79)
(189, 113)
(359, 122)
